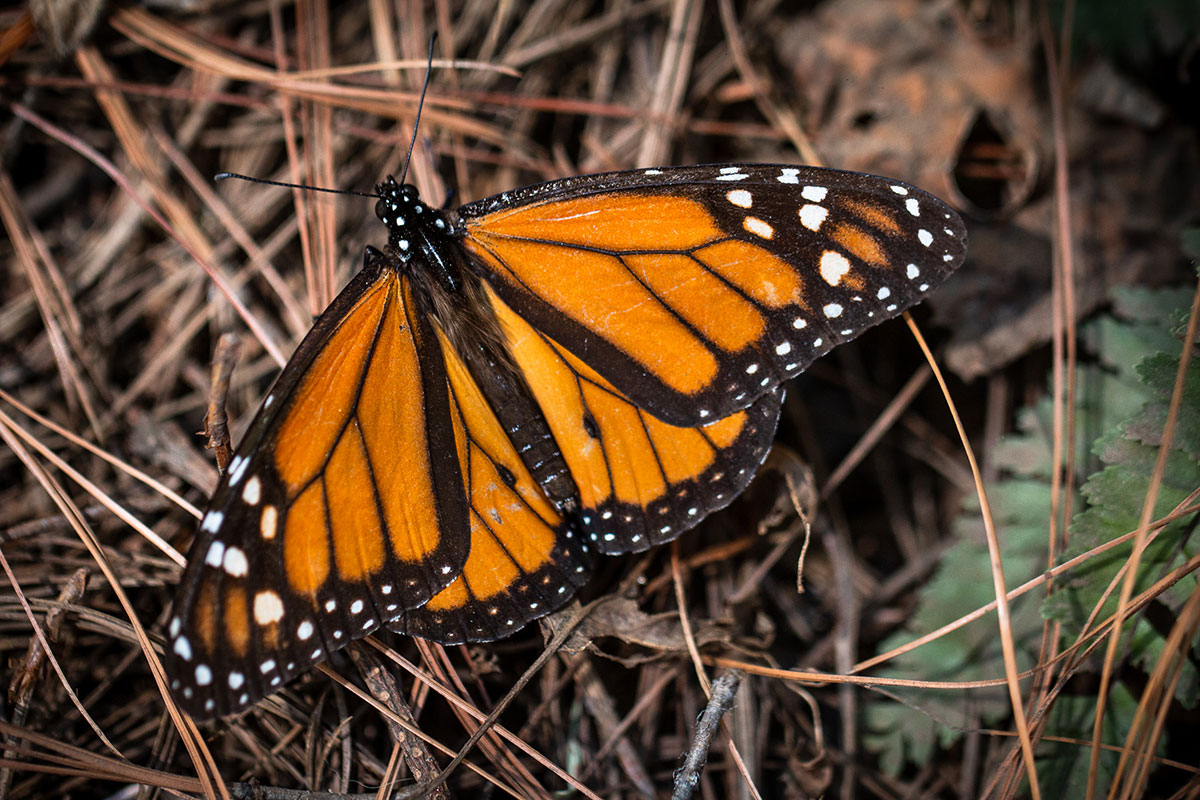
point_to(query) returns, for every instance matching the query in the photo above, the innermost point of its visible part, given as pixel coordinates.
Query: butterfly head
(417, 233)
(411, 224)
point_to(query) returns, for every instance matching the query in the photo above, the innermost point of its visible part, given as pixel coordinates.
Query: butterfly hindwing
(641, 481)
(343, 508)
(694, 290)
(527, 558)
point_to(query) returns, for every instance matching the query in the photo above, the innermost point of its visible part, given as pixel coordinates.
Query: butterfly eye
(587, 365)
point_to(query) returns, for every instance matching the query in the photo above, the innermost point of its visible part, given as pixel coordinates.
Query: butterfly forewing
(343, 508)
(695, 290)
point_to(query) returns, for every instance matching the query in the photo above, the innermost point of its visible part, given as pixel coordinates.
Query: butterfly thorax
(417, 232)
(425, 244)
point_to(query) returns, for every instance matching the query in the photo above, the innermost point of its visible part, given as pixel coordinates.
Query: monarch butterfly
(587, 365)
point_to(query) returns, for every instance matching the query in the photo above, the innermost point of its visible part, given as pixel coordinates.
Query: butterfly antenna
(420, 105)
(220, 176)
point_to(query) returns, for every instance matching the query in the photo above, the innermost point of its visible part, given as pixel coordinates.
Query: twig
(687, 777)
(382, 684)
(216, 421)
(25, 677)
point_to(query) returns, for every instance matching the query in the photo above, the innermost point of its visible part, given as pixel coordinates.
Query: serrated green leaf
(1064, 765)
(1119, 419)
(1158, 372)
(909, 733)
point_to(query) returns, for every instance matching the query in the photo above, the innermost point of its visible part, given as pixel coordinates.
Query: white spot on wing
(833, 310)
(925, 237)
(183, 648)
(253, 491)
(267, 522)
(235, 562)
(914, 206)
(740, 198)
(814, 194)
(913, 272)
(216, 552)
(758, 227)
(834, 267)
(236, 471)
(811, 216)
(212, 521)
(268, 608)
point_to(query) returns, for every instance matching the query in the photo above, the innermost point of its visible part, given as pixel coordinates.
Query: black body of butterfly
(588, 365)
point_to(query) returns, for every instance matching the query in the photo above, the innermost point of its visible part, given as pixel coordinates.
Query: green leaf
(1124, 392)
(1064, 765)
(1158, 372)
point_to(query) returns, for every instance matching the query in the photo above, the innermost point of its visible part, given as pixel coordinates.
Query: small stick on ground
(687, 777)
(216, 422)
(384, 688)
(26, 675)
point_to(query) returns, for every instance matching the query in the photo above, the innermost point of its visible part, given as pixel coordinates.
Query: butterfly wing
(527, 558)
(641, 481)
(343, 508)
(695, 290)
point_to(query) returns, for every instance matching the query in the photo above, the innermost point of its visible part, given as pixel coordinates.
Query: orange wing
(343, 509)
(526, 559)
(695, 290)
(641, 482)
